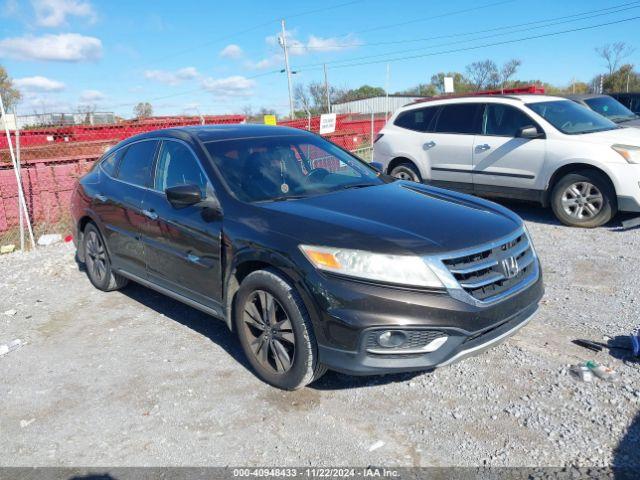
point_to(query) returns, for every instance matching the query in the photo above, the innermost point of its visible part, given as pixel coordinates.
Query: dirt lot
(134, 378)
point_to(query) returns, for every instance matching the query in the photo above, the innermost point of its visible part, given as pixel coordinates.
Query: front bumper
(469, 329)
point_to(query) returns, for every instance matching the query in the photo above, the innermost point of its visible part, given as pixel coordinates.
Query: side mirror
(182, 196)
(529, 132)
(377, 166)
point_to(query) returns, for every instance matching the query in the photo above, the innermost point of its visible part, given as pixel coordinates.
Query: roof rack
(505, 93)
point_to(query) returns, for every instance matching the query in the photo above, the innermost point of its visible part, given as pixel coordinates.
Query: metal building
(374, 104)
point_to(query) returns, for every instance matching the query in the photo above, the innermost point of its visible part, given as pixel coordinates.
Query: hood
(398, 217)
(631, 123)
(624, 135)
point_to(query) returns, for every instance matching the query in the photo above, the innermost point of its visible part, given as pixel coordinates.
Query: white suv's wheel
(406, 171)
(583, 199)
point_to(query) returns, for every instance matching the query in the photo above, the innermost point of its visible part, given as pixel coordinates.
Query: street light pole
(283, 42)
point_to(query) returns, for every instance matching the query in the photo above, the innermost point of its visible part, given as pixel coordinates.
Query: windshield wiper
(284, 198)
(358, 185)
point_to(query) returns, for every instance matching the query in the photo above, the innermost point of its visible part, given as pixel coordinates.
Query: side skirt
(215, 312)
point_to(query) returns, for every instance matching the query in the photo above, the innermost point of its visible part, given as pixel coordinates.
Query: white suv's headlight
(398, 269)
(629, 153)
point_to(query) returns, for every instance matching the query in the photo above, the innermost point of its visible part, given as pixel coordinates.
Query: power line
(607, 11)
(250, 29)
(476, 47)
(473, 39)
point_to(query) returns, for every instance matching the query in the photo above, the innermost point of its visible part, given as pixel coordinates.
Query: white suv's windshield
(571, 118)
(610, 108)
(287, 167)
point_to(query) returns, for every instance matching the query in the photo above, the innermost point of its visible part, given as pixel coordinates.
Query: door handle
(429, 145)
(101, 198)
(484, 147)
(150, 214)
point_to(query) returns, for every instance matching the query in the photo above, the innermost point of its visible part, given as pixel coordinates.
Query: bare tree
(613, 54)
(301, 97)
(508, 70)
(483, 75)
(10, 95)
(143, 110)
(247, 111)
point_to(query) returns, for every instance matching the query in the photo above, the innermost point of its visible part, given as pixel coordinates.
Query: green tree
(10, 94)
(365, 91)
(460, 83)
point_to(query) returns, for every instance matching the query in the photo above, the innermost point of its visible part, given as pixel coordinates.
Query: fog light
(392, 339)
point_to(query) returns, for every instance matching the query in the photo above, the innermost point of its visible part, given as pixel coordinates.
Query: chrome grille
(491, 271)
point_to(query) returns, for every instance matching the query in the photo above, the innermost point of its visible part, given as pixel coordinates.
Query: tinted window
(571, 118)
(610, 108)
(110, 164)
(177, 166)
(418, 120)
(288, 167)
(135, 166)
(459, 118)
(504, 120)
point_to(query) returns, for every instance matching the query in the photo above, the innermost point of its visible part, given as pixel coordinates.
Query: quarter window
(459, 118)
(110, 164)
(417, 119)
(135, 166)
(177, 166)
(504, 121)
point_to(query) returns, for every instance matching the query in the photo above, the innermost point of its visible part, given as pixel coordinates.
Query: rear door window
(461, 118)
(135, 167)
(418, 119)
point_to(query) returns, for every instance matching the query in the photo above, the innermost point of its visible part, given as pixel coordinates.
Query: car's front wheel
(584, 199)
(275, 331)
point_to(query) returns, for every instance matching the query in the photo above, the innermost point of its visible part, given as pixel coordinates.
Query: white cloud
(297, 47)
(39, 84)
(331, 44)
(54, 13)
(65, 47)
(90, 96)
(235, 86)
(171, 78)
(231, 51)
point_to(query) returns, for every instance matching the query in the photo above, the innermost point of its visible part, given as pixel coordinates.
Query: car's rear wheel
(97, 262)
(275, 331)
(584, 199)
(406, 171)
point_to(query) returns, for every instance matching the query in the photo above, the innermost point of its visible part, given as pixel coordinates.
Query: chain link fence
(53, 158)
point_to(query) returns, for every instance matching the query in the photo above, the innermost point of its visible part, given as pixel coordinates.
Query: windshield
(287, 167)
(571, 118)
(610, 108)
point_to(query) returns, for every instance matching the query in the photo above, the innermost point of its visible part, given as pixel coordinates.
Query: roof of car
(212, 133)
(522, 97)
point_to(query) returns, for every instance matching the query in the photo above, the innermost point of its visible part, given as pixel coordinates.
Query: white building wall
(372, 105)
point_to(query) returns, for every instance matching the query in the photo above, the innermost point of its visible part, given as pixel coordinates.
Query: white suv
(533, 147)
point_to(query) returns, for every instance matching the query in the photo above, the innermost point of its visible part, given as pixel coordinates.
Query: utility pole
(601, 84)
(386, 113)
(283, 43)
(326, 89)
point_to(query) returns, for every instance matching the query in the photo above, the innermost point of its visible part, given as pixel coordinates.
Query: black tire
(584, 199)
(97, 262)
(406, 171)
(301, 355)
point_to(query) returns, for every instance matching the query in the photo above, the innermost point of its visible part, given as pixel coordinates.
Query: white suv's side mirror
(529, 132)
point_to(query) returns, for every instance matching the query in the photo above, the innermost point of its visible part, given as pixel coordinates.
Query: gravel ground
(133, 378)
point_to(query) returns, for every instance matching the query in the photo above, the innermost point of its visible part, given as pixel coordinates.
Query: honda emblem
(510, 267)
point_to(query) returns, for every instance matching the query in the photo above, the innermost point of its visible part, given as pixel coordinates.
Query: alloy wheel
(404, 174)
(96, 257)
(582, 200)
(270, 332)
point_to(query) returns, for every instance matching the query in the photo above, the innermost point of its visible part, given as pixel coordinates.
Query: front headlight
(398, 269)
(629, 153)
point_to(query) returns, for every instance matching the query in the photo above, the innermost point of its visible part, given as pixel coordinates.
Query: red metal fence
(52, 159)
